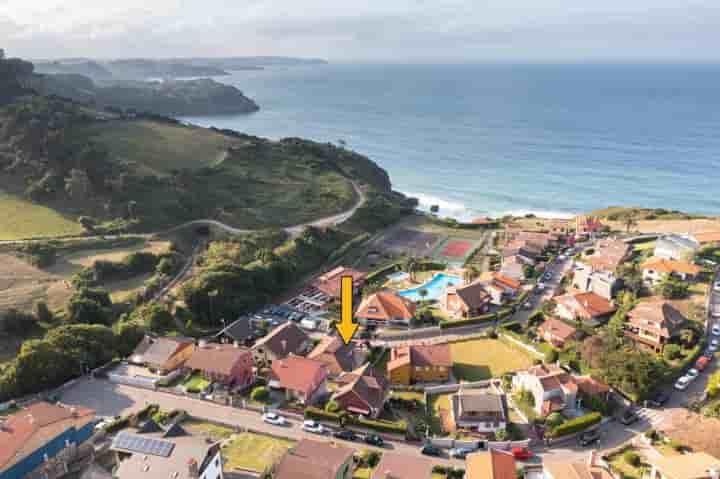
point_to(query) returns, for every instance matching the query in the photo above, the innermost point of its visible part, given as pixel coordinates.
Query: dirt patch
(410, 242)
(694, 430)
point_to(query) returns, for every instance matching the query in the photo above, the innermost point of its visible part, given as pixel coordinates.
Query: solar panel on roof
(143, 445)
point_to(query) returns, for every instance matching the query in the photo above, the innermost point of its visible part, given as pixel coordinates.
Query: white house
(675, 246)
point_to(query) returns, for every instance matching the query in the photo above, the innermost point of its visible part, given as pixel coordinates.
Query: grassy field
(254, 452)
(480, 359)
(23, 219)
(160, 147)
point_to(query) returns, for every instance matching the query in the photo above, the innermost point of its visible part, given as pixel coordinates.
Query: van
(308, 324)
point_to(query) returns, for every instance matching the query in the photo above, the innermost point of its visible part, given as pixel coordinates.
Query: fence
(449, 443)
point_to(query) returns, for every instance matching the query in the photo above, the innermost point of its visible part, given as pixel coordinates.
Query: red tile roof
(399, 466)
(335, 354)
(330, 282)
(662, 265)
(218, 358)
(299, 374)
(437, 355)
(313, 460)
(492, 464)
(557, 329)
(661, 317)
(507, 282)
(384, 306)
(586, 305)
(18, 429)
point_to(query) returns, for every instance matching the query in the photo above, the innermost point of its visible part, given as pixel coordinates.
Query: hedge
(576, 425)
(117, 425)
(445, 324)
(380, 426)
(504, 313)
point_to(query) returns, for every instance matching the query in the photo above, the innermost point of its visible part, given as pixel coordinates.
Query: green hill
(145, 173)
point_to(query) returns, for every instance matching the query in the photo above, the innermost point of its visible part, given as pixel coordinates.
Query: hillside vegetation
(145, 173)
(618, 213)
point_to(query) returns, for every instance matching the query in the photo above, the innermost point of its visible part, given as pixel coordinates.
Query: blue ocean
(494, 139)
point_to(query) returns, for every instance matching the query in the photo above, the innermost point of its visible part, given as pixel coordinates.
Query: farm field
(480, 359)
(23, 219)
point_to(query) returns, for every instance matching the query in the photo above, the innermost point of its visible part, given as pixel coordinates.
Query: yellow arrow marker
(346, 328)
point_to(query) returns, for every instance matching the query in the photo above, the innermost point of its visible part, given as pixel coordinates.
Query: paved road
(111, 400)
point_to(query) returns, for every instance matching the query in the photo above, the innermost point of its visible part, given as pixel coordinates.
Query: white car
(716, 330)
(693, 374)
(714, 344)
(540, 286)
(274, 419)
(717, 286)
(682, 383)
(313, 426)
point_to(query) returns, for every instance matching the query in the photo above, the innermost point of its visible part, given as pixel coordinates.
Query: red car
(522, 453)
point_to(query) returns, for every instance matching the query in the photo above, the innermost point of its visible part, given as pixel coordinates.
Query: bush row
(576, 425)
(375, 425)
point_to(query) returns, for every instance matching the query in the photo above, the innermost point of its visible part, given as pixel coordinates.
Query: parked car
(716, 330)
(692, 374)
(716, 287)
(540, 286)
(460, 452)
(659, 399)
(629, 416)
(313, 426)
(522, 453)
(527, 305)
(345, 435)
(374, 440)
(589, 437)
(683, 383)
(714, 344)
(430, 450)
(309, 324)
(274, 419)
(702, 363)
(709, 353)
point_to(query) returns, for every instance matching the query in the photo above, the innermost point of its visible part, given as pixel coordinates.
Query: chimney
(193, 469)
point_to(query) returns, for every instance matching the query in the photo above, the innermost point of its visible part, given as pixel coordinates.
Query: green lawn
(618, 463)
(480, 359)
(196, 382)
(24, 219)
(254, 451)
(215, 431)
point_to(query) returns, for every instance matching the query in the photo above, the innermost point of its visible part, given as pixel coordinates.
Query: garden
(485, 358)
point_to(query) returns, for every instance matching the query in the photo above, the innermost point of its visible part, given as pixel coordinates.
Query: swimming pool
(435, 288)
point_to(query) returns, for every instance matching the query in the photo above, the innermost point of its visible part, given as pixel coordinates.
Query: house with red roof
(656, 270)
(228, 364)
(330, 282)
(335, 354)
(385, 306)
(39, 432)
(466, 301)
(362, 391)
(587, 307)
(492, 464)
(556, 332)
(303, 380)
(420, 364)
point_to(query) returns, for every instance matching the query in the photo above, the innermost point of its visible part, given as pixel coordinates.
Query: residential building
(226, 364)
(541, 239)
(239, 331)
(38, 433)
(466, 301)
(603, 283)
(587, 225)
(419, 364)
(281, 342)
(166, 453)
(555, 390)
(162, 354)
(384, 307)
(608, 255)
(593, 468)
(585, 307)
(509, 287)
(397, 466)
(556, 332)
(315, 460)
(527, 251)
(652, 324)
(479, 410)
(362, 391)
(492, 464)
(337, 356)
(656, 270)
(330, 282)
(676, 247)
(513, 268)
(303, 380)
(695, 465)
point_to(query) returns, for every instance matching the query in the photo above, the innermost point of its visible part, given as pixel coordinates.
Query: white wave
(429, 200)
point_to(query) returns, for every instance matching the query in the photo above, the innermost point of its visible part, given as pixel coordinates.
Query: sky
(369, 30)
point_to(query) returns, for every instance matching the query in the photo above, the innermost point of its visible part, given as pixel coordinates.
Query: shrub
(632, 458)
(504, 313)
(321, 415)
(551, 355)
(468, 322)
(501, 435)
(332, 406)
(672, 351)
(651, 434)
(576, 425)
(260, 394)
(117, 425)
(554, 420)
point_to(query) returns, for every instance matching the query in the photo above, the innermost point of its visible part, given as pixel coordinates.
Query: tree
(713, 385)
(42, 312)
(154, 317)
(423, 293)
(688, 337)
(411, 266)
(89, 306)
(672, 351)
(260, 394)
(87, 223)
(470, 273)
(632, 458)
(266, 255)
(629, 221)
(15, 322)
(672, 288)
(554, 420)
(501, 435)
(551, 356)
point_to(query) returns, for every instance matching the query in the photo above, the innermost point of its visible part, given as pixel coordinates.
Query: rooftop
(217, 358)
(313, 460)
(492, 464)
(397, 466)
(686, 466)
